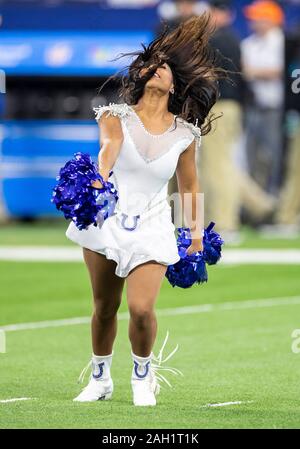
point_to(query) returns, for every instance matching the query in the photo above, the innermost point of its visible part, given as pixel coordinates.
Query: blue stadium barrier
(32, 152)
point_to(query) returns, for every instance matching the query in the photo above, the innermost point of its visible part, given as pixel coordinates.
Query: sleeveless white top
(142, 227)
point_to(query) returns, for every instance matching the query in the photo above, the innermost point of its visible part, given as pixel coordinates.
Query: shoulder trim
(117, 109)
(195, 130)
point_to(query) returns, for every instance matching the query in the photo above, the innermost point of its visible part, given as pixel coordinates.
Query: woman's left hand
(196, 245)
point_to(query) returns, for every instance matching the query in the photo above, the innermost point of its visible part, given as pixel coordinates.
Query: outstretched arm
(189, 189)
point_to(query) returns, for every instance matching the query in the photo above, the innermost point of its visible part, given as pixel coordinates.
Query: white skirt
(152, 239)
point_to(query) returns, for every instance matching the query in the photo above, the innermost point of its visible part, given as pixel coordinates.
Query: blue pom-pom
(212, 243)
(191, 268)
(77, 198)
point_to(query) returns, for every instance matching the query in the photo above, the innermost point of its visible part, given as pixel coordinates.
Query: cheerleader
(156, 130)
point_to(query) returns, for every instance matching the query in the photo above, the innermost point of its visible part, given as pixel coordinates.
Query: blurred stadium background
(54, 55)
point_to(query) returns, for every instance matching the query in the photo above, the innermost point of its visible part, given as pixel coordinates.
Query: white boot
(100, 386)
(141, 380)
(145, 378)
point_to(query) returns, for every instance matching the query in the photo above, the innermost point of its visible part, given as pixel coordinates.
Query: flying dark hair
(192, 60)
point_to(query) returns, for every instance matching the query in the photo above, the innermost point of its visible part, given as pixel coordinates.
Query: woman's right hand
(97, 184)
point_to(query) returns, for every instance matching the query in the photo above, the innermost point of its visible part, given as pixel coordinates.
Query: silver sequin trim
(120, 110)
(196, 131)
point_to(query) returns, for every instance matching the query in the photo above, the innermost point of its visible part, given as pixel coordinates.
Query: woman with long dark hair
(167, 95)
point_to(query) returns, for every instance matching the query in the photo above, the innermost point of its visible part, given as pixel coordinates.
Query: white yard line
(2, 341)
(229, 256)
(40, 254)
(204, 308)
(45, 324)
(225, 404)
(5, 401)
(261, 256)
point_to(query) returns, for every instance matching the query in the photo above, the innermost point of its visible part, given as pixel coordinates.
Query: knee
(141, 316)
(104, 309)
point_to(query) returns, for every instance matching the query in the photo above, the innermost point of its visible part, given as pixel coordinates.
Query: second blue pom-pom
(191, 268)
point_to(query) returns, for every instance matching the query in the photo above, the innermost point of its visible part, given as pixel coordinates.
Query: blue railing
(32, 152)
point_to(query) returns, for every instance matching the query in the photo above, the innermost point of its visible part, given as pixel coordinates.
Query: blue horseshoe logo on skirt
(141, 376)
(97, 376)
(124, 219)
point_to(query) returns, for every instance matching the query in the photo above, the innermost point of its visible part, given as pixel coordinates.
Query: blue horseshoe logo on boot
(125, 216)
(97, 376)
(141, 376)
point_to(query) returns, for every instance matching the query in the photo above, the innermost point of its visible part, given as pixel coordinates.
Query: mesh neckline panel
(146, 130)
(153, 146)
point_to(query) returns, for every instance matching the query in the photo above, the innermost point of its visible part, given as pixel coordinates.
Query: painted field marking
(226, 404)
(229, 256)
(2, 341)
(6, 401)
(204, 308)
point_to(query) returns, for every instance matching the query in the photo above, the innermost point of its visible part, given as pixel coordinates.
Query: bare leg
(143, 285)
(107, 292)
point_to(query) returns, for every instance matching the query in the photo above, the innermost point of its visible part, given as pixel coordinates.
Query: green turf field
(235, 351)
